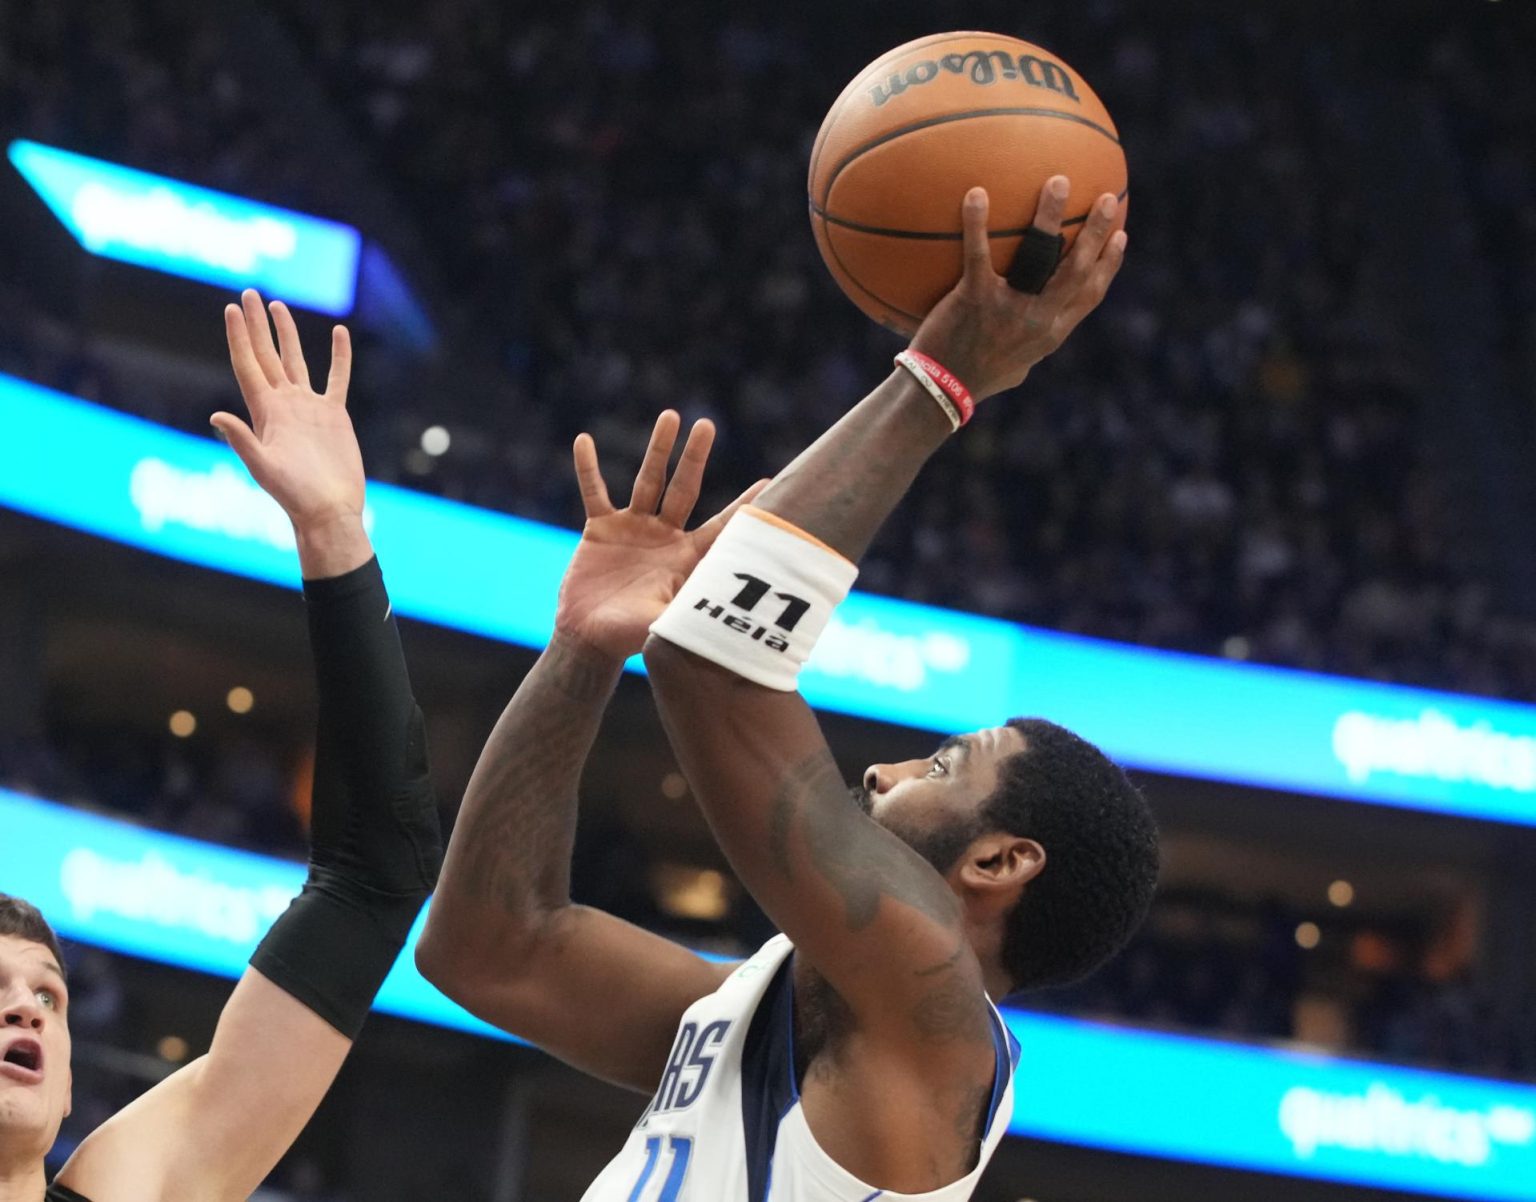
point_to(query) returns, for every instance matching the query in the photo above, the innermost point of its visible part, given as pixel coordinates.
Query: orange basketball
(922, 125)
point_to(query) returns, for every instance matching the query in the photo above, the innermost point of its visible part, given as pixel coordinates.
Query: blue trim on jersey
(873, 1196)
(1006, 1048)
(768, 1087)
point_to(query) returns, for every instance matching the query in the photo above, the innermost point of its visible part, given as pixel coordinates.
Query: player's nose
(882, 778)
(22, 1011)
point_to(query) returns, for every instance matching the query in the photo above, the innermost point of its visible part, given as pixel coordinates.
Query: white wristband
(759, 599)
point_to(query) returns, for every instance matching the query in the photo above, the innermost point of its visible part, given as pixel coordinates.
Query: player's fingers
(260, 335)
(652, 476)
(710, 530)
(1052, 205)
(1100, 278)
(241, 438)
(242, 358)
(1091, 239)
(688, 477)
(289, 348)
(594, 493)
(978, 246)
(341, 365)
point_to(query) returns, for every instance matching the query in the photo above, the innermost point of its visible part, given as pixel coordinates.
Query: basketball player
(214, 1129)
(860, 1056)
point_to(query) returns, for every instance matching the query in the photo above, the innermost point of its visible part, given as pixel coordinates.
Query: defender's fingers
(248, 373)
(978, 246)
(710, 530)
(241, 438)
(688, 477)
(341, 365)
(260, 334)
(1091, 239)
(594, 493)
(652, 476)
(288, 345)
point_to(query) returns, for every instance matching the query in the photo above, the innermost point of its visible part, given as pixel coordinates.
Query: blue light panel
(195, 905)
(151, 221)
(494, 575)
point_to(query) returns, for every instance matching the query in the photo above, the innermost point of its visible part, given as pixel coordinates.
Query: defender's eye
(940, 766)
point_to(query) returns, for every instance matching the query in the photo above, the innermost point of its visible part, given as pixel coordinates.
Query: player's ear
(996, 867)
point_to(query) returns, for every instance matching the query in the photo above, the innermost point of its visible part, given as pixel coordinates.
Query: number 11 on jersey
(681, 1148)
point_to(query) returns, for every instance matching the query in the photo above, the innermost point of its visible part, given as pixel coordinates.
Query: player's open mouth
(23, 1061)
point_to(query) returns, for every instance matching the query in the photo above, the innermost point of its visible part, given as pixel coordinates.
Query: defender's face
(34, 1044)
(931, 802)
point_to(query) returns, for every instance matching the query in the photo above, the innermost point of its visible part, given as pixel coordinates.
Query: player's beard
(940, 846)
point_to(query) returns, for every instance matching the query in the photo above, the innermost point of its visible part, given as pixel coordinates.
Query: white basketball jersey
(725, 1124)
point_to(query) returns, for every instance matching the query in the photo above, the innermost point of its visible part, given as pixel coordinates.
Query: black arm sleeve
(375, 842)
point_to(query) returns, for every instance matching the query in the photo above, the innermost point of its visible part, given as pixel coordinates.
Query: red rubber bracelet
(949, 382)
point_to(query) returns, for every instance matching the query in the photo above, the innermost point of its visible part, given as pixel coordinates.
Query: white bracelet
(759, 599)
(941, 397)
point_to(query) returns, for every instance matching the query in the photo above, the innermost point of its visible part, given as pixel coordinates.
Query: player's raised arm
(871, 915)
(504, 938)
(215, 1129)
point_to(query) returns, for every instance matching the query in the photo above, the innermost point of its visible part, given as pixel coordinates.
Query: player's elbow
(460, 958)
(450, 964)
(437, 961)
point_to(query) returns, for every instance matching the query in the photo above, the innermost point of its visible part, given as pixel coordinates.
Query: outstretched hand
(989, 334)
(631, 562)
(300, 445)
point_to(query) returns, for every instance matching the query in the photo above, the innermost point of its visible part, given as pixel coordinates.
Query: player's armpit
(213, 1130)
(592, 990)
(861, 906)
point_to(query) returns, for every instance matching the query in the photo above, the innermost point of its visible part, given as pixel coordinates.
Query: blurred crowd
(1230, 458)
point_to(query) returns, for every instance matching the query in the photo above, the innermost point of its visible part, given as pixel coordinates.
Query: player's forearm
(844, 486)
(375, 844)
(509, 859)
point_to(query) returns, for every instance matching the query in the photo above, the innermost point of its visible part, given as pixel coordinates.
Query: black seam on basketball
(901, 132)
(857, 283)
(931, 235)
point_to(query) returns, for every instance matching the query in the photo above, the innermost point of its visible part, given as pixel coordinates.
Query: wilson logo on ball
(984, 67)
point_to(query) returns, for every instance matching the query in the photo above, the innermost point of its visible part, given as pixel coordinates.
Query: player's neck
(986, 940)
(22, 1178)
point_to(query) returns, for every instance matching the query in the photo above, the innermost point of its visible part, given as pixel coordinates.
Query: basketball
(918, 128)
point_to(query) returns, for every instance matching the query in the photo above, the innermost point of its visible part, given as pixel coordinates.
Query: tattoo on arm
(848, 850)
(850, 479)
(519, 813)
(815, 826)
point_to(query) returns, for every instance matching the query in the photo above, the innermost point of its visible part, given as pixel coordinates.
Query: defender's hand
(300, 445)
(631, 562)
(988, 333)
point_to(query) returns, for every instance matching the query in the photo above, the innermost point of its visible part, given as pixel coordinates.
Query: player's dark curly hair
(1101, 858)
(25, 921)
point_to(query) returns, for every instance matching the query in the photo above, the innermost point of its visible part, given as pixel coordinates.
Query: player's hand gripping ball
(925, 123)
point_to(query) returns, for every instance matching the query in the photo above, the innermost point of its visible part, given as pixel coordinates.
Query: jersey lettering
(688, 1068)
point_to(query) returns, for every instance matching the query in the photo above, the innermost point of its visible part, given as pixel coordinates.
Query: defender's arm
(215, 1129)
